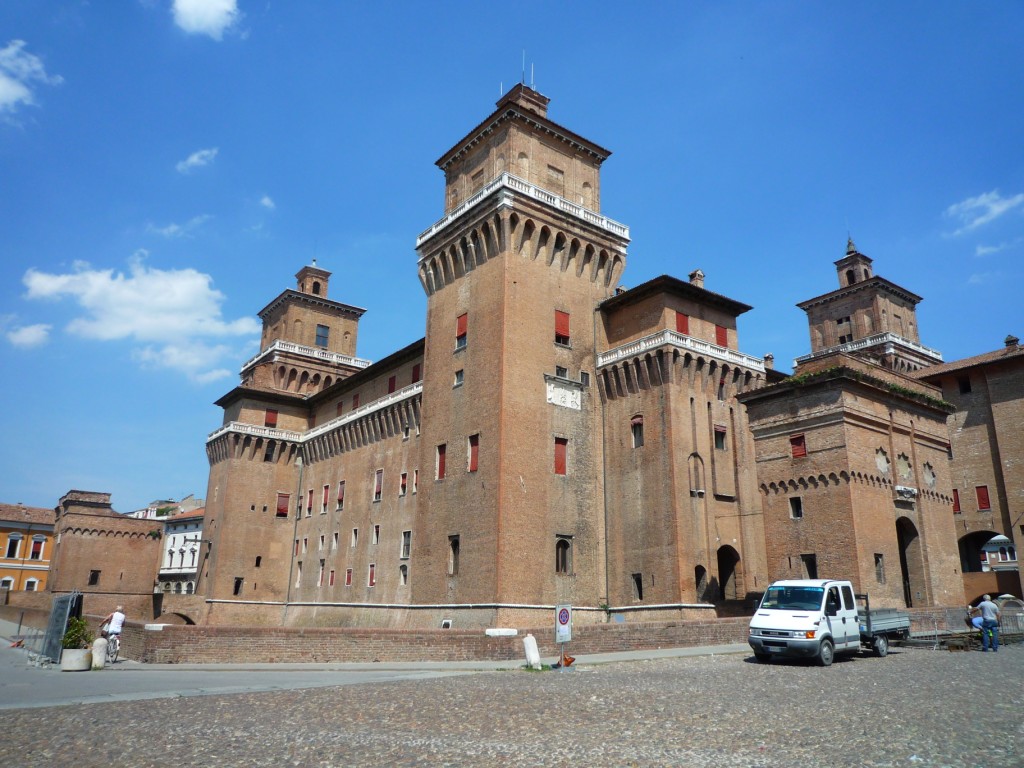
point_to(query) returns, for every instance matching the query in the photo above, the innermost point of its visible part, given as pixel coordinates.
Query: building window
(473, 453)
(638, 586)
(453, 555)
(376, 534)
(7, 582)
(415, 480)
(237, 590)
(322, 540)
(442, 450)
(879, 568)
(798, 446)
(341, 495)
(259, 560)
(403, 483)
(355, 401)
(392, 383)
(309, 502)
(563, 555)
(983, 501)
(403, 574)
(378, 484)
(682, 324)
(461, 327)
(721, 336)
(809, 563)
(964, 382)
(13, 545)
(334, 541)
(268, 452)
(636, 425)
(584, 378)
(416, 373)
(956, 502)
(406, 544)
(330, 578)
(720, 434)
(348, 577)
(322, 332)
(94, 578)
(30, 585)
(561, 454)
(296, 547)
(561, 328)
(460, 377)
(796, 507)
(320, 575)
(326, 500)
(371, 578)
(270, 418)
(305, 544)
(355, 537)
(561, 372)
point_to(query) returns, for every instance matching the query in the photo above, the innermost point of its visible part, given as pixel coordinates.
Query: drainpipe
(604, 470)
(295, 533)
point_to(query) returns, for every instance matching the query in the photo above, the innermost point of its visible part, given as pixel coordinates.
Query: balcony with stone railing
(508, 181)
(888, 340)
(301, 349)
(680, 341)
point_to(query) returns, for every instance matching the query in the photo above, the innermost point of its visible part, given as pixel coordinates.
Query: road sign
(563, 623)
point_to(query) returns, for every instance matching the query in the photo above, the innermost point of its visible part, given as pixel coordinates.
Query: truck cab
(808, 618)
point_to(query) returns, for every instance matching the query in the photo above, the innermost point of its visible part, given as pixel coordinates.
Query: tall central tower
(510, 515)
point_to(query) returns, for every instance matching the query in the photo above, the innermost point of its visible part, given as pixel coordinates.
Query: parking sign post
(563, 633)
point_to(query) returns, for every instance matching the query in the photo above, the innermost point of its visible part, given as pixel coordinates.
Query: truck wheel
(826, 652)
(764, 658)
(881, 646)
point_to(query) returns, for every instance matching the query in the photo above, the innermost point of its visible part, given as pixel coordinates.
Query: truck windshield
(793, 598)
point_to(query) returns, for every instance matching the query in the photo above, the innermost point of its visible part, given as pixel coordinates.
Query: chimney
(697, 278)
(1011, 341)
(769, 361)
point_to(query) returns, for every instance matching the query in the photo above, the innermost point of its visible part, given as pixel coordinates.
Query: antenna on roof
(533, 83)
(522, 78)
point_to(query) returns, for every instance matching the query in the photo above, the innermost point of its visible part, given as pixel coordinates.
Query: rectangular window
(561, 453)
(956, 502)
(879, 568)
(94, 578)
(392, 384)
(309, 502)
(270, 418)
(964, 382)
(330, 578)
(720, 434)
(473, 453)
(326, 500)
(348, 577)
(268, 452)
(636, 426)
(563, 555)
(378, 484)
(298, 574)
(371, 578)
(983, 500)
(355, 537)
(322, 332)
(561, 327)
(415, 480)
(561, 372)
(238, 585)
(584, 378)
(638, 586)
(37, 550)
(13, 545)
(809, 564)
(339, 409)
(334, 541)
(341, 495)
(721, 336)
(461, 327)
(798, 446)
(416, 373)
(323, 539)
(460, 377)
(296, 546)
(402, 483)
(355, 401)
(406, 544)
(320, 575)
(376, 534)
(305, 544)
(682, 323)
(453, 555)
(440, 461)
(796, 507)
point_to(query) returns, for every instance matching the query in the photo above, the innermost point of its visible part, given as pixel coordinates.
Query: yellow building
(26, 541)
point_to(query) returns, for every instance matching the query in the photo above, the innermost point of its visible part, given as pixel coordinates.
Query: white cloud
(28, 336)
(173, 315)
(266, 202)
(197, 160)
(180, 230)
(982, 278)
(19, 70)
(977, 211)
(988, 250)
(206, 17)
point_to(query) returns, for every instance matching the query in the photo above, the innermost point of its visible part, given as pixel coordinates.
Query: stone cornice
(292, 296)
(681, 341)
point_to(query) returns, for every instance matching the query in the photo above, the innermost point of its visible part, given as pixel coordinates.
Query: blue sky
(167, 167)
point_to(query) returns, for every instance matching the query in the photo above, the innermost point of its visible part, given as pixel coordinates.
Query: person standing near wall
(989, 613)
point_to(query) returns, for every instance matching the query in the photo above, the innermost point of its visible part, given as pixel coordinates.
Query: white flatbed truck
(819, 618)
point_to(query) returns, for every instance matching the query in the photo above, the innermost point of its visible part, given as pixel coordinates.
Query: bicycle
(113, 646)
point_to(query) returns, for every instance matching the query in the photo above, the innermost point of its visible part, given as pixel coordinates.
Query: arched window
(636, 425)
(850, 277)
(453, 555)
(563, 555)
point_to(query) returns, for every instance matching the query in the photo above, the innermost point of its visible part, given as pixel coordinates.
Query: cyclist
(112, 626)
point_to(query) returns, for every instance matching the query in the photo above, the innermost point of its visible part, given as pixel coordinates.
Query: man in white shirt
(115, 621)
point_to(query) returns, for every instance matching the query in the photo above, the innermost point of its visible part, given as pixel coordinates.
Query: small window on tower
(473, 450)
(270, 418)
(392, 384)
(636, 426)
(798, 446)
(561, 328)
(720, 434)
(561, 455)
(461, 330)
(796, 507)
(322, 332)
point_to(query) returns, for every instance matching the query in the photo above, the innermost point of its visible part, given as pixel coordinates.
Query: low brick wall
(205, 644)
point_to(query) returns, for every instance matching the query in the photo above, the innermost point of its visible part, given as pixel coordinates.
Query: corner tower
(510, 511)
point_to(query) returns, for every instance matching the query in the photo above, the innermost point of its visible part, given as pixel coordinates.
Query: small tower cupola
(312, 280)
(855, 267)
(527, 98)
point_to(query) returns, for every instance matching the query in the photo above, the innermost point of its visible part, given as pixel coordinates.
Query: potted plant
(77, 654)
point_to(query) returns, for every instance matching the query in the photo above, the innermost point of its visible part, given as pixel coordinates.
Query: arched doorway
(971, 553)
(911, 562)
(728, 576)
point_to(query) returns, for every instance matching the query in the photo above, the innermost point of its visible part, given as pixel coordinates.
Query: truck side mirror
(831, 608)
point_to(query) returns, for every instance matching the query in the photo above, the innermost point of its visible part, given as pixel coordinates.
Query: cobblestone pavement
(916, 708)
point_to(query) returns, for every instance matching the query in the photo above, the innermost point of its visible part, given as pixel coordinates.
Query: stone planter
(76, 659)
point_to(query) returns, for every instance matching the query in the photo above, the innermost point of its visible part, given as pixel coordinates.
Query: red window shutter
(37, 549)
(561, 323)
(378, 483)
(461, 324)
(341, 492)
(270, 420)
(282, 504)
(392, 383)
(373, 574)
(331, 582)
(355, 401)
(415, 373)
(327, 494)
(561, 446)
(721, 336)
(682, 323)
(441, 451)
(798, 445)
(309, 499)
(983, 501)
(348, 577)
(956, 500)
(474, 451)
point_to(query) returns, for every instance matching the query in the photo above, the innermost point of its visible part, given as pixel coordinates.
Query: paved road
(915, 708)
